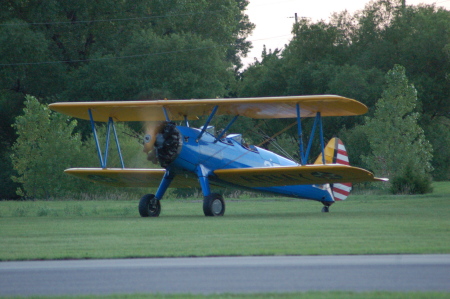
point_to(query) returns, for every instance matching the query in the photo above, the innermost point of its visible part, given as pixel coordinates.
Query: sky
(274, 18)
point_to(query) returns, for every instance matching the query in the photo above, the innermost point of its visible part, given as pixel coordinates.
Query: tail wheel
(149, 206)
(213, 205)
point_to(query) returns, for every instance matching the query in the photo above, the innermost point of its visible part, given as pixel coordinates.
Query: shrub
(411, 182)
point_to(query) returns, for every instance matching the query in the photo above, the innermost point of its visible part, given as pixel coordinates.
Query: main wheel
(213, 205)
(149, 206)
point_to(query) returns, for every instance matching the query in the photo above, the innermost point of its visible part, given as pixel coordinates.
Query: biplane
(192, 157)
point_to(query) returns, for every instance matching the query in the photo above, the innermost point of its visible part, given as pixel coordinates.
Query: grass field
(364, 224)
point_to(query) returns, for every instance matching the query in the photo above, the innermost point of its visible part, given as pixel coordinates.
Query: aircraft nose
(148, 144)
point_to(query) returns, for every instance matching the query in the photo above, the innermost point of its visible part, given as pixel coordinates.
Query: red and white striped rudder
(341, 190)
(335, 153)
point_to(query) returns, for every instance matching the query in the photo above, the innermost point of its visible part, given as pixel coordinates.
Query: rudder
(335, 153)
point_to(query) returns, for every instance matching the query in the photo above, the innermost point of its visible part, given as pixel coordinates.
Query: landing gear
(149, 206)
(213, 205)
(325, 209)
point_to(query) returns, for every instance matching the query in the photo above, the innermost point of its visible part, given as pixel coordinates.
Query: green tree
(349, 55)
(437, 132)
(313, 42)
(45, 146)
(415, 37)
(264, 78)
(8, 107)
(116, 50)
(198, 70)
(45, 43)
(20, 44)
(222, 21)
(398, 144)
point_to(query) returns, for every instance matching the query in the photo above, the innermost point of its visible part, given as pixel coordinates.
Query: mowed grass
(364, 224)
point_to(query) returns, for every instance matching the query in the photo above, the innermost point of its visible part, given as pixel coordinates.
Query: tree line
(135, 50)
(114, 50)
(352, 55)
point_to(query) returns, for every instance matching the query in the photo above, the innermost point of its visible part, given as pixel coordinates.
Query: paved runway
(227, 275)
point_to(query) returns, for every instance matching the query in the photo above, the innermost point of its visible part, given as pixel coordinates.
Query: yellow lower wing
(130, 177)
(295, 175)
(248, 177)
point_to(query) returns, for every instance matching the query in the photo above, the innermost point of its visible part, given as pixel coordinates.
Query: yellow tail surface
(335, 153)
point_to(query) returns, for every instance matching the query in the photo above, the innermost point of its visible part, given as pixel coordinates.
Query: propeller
(151, 129)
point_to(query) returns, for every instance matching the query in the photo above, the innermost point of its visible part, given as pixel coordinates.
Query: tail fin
(335, 153)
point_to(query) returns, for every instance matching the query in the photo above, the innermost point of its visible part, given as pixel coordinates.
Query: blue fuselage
(207, 155)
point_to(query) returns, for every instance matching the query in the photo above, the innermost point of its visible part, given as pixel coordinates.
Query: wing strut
(226, 128)
(210, 117)
(322, 146)
(166, 114)
(104, 162)
(317, 121)
(300, 135)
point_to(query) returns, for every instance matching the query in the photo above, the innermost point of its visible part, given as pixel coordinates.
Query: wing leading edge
(295, 175)
(248, 177)
(130, 177)
(268, 107)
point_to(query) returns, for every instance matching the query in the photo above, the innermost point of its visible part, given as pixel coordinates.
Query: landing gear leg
(149, 205)
(213, 203)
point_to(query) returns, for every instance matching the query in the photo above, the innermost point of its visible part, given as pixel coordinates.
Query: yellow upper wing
(295, 175)
(271, 107)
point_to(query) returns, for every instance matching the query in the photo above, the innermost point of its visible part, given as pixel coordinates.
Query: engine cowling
(168, 143)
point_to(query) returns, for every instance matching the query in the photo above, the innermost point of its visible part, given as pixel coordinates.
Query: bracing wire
(125, 57)
(266, 138)
(113, 20)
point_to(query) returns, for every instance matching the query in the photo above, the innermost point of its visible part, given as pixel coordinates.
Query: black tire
(325, 209)
(213, 205)
(149, 208)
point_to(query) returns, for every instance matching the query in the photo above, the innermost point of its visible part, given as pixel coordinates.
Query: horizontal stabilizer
(130, 177)
(295, 175)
